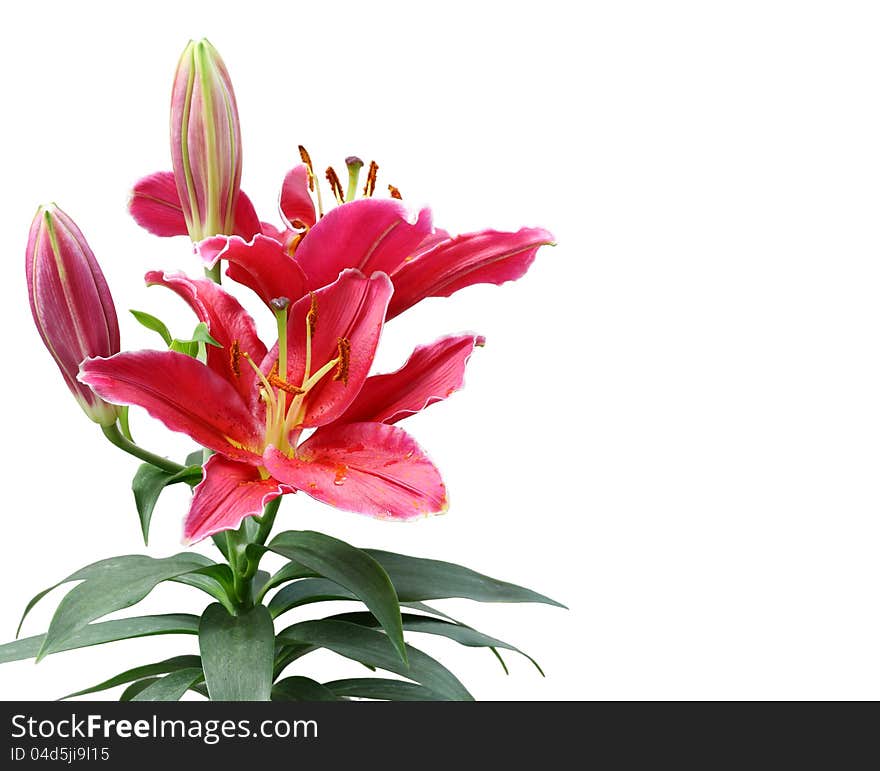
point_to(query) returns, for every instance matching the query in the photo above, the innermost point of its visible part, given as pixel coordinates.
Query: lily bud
(205, 142)
(71, 303)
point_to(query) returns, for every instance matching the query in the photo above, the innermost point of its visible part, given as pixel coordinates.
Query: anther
(343, 346)
(283, 384)
(306, 159)
(370, 187)
(335, 184)
(234, 355)
(395, 193)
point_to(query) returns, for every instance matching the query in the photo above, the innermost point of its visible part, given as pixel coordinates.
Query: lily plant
(300, 414)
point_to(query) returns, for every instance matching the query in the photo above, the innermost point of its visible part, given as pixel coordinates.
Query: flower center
(286, 402)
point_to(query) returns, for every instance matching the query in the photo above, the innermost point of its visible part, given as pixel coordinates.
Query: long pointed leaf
(460, 633)
(104, 632)
(351, 568)
(171, 687)
(416, 578)
(301, 689)
(381, 688)
(138, 673)
(114, 587)
(374, 649)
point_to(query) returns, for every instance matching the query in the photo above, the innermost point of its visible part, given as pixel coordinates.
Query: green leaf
(238, 653)
(416, 579)
(195, 458)
(89, 571)
(136, 687)
(307, 591)
(350, 567)
(124, 423)
(118, 583)
(171, 687)
(104, 632)
(201, 335)
(460, 633)
(381, 688)
(215, 580)
(374, 649)
(184, 346)
(301, 689)
(153, 324)
(138, 673)
(148, 484)
(289, 572)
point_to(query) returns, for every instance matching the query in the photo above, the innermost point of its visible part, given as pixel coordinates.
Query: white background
(675, 425)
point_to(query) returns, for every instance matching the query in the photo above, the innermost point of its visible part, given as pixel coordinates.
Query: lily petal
(486, 257)
(261, 264)
(351, 309)
(370, 234)
(368, 468)
(155, 206)
(181, 392)
(432, 373)
(295, 204)
(228, 323)
(228, 492)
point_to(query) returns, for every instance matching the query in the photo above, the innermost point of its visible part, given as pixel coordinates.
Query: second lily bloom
(251, 405)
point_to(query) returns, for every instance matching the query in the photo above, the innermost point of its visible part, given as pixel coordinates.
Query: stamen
(354, 165)
(266, 384)
(343, 345)
(283, 384)
(370, 187)
(313, 182)
(335, 184)
(395, 193)
(306, 159)
(234, 355)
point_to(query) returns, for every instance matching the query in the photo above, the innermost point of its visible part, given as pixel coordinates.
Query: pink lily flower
(377, 234)
(251, 406)
(368, 234)
(71, 303)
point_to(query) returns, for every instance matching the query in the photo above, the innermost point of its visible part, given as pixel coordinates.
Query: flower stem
(115, 436)
(214, 273)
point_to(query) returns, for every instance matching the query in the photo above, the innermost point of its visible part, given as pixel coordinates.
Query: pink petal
(432, 373)
(296, 205)
(247, 223)
(353, 309)
(229, 492)
(228, 323)
(155, 205)
(370, 234)
(184, 394)
(486, 257)
(368, 468)
(261, 264)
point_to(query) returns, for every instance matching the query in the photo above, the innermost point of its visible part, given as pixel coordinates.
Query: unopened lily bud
(205, 142)
(71, 303)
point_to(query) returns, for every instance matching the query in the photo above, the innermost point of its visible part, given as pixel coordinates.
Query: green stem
(266, 523)
(214, 273)
(115, 436)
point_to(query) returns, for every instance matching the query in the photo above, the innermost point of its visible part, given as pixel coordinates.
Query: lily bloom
(71, 303)
(251, 406)
(377, 234)
(368, 234)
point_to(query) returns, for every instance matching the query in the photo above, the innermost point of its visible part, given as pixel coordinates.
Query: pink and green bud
(71, 303)
(205, 142)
